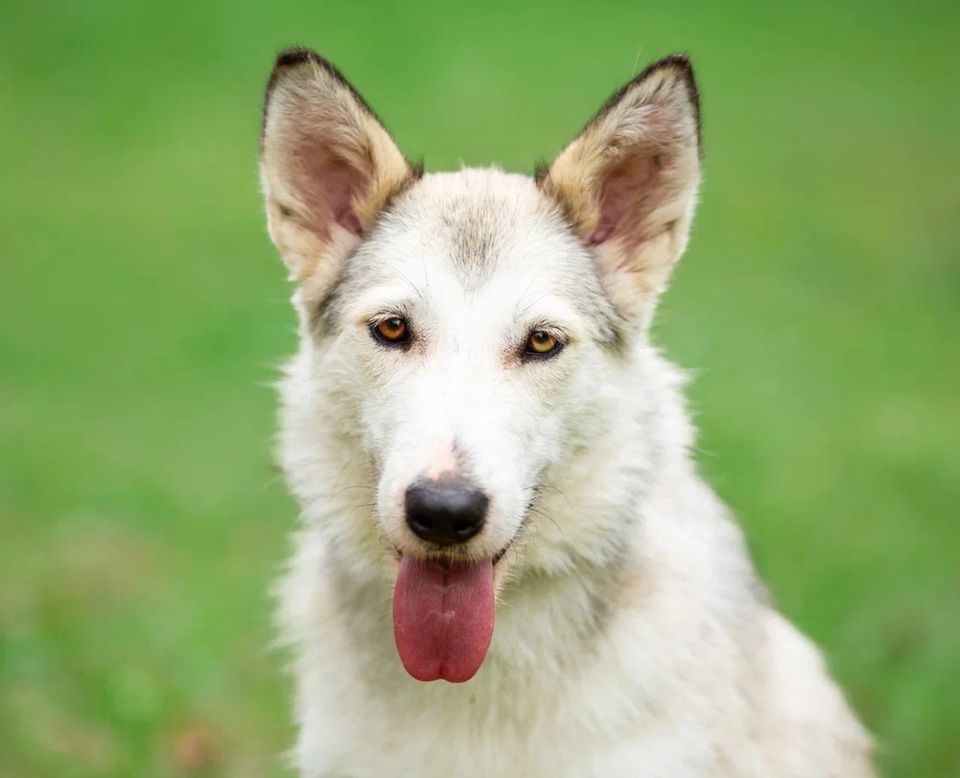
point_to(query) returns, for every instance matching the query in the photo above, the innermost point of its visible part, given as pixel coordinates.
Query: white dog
(478, 430)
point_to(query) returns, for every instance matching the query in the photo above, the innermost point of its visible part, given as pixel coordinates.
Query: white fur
(631, 637)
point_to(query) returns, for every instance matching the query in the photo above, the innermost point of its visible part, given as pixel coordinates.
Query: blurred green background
(143, 314)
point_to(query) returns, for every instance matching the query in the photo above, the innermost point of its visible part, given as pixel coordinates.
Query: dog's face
(461, 320)
(464, 326)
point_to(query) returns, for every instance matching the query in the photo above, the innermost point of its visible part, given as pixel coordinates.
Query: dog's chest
(546, 743)
(549, 721)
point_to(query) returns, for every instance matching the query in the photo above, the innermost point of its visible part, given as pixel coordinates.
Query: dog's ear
(327, 164)
(628, 183)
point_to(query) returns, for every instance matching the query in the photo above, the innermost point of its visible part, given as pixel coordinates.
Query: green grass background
(143, 313)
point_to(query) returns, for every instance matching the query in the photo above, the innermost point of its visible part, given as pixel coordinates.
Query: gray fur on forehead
(478, 220)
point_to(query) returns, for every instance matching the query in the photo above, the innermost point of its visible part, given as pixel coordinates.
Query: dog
(478, 429)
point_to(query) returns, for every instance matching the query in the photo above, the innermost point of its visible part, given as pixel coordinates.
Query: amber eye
(392, 331)
(542, 344)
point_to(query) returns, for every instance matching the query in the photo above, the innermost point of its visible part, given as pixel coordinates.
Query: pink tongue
(443, 618)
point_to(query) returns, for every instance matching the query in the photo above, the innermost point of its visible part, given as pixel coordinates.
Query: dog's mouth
(443, 615)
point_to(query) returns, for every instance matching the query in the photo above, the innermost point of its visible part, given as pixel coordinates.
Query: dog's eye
(541, 344)
(392, 332)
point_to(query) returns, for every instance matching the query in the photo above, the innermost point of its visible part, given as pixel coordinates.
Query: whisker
(359, 506)
(557, 490)
(543, 514)
(341, 472)
(353, 486)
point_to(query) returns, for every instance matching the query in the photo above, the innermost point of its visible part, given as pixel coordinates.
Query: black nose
(447, 511)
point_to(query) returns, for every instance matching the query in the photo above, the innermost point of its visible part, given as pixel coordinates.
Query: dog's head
(459, 322)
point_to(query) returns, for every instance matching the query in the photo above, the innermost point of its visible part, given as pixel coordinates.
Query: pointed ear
(629, 182)
(327, 164)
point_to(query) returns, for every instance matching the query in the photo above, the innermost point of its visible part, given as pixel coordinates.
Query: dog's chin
(443, 612)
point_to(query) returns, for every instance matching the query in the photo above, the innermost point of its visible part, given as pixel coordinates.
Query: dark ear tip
(682, 67)
(680, 63)
(300, 55)
(290, 60)
(296, 57)
(679, 58)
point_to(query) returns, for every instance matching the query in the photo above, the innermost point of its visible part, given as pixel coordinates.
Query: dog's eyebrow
(596, 309)
(522, 308)
(416, 289)
(374, 302)
(393, 307)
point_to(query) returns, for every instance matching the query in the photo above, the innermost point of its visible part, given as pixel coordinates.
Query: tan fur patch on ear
(328, 165)
(628, 182)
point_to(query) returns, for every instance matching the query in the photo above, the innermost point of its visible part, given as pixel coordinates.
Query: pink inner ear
(627, 195)
(328, 184)
(600, 233)
(347, 219)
